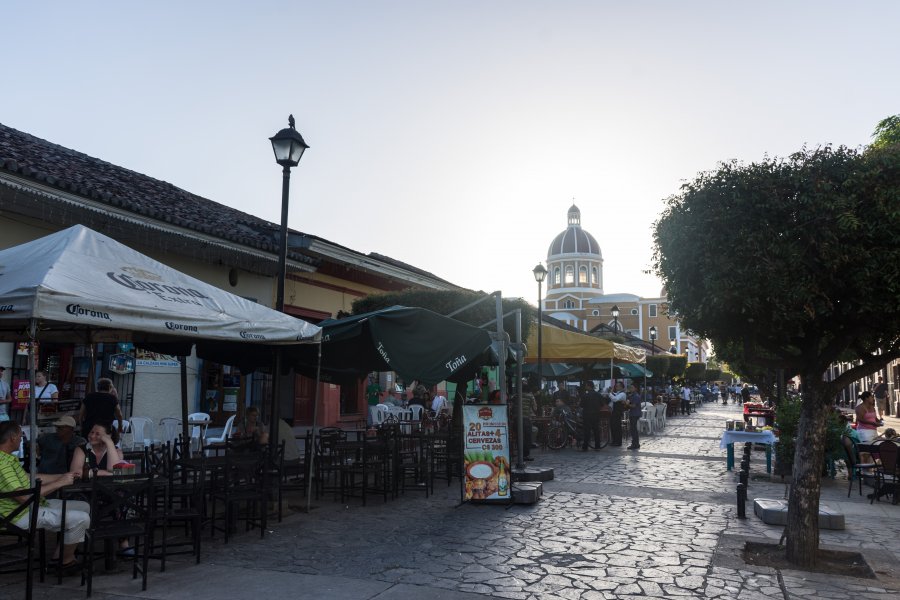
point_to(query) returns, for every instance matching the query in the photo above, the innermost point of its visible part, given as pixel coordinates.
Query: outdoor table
(202, 425)
(730, 438)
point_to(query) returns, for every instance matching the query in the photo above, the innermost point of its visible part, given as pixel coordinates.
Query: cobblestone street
(614, 524)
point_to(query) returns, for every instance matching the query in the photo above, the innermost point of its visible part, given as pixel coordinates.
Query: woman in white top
(45, 392)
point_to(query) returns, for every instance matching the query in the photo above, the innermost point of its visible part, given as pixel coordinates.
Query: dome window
(570, 275)
(582, 275)
(556, 278)
(594, 278)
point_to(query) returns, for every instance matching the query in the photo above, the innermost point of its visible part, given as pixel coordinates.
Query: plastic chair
(142, 431)
(198, 432)
(416, 410)
(661, 416)
(170, 428)
(125, 426)
(646, 421)
(379, 413)
(221, 439)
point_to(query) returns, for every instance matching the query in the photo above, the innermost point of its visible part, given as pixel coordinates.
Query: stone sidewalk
(614, 524)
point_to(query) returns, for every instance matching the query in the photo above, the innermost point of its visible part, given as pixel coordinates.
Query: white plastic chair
(416, 410)
(661, 416)
(379, 413)
(125, 426)
(198, 432)
(142, 431)
(169, 427)
(646, 421)
(226, 433)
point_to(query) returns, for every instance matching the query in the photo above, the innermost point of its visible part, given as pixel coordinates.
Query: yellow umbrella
(561, 345)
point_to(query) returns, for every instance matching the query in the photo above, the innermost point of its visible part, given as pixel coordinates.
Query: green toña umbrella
(416, 343)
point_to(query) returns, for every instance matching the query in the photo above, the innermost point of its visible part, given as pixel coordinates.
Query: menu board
(486, 453)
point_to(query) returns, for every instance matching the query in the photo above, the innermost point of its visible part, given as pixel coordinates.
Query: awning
(560, 345)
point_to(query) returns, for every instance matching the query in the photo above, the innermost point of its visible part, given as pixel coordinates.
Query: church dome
(574, 239)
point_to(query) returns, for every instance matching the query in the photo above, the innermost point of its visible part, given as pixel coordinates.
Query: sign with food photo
(486, 453)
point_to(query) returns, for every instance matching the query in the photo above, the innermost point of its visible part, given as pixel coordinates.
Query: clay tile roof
(77, 173)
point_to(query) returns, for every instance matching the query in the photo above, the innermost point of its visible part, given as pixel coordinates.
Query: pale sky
(451, 135)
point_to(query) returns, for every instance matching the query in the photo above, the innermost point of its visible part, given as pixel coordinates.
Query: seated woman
(252, 429)
(102, 455)
(867, 421)
(100, 450)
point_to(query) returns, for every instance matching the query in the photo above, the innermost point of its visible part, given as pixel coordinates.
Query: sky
(452, 136)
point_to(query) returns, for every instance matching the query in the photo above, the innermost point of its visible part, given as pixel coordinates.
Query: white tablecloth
(757, 437)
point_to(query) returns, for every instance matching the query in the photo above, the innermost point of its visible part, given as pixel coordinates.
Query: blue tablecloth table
(730, 438)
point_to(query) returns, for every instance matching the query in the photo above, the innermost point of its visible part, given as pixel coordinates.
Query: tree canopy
(887, 132)
(795, 260)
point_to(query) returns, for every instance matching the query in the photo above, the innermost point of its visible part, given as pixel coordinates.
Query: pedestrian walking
(881, 397)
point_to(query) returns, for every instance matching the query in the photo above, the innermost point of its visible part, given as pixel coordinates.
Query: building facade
(45, 187)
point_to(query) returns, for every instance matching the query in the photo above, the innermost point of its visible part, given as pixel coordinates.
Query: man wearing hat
(56, 449)
(5, 397)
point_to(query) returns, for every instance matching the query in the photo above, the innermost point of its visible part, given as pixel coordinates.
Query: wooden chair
(886, 474)
(241, 483)
(854, 467)
(16, 538)
(121, 507)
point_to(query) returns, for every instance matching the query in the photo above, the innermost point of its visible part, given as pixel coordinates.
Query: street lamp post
(615, 314)
(653, 338)
(539, 274)
(288, 146)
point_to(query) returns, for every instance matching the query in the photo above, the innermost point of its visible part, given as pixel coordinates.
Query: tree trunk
(803, 505)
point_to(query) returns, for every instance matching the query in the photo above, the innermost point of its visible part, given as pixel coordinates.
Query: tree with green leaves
(796, 261)
(887, 132)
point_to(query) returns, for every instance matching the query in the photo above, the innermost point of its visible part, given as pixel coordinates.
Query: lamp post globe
(653, 334)
(288, 146)
(614, 311)
(539, 274)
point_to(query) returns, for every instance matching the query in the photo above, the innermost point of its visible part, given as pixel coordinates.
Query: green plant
(787, 420)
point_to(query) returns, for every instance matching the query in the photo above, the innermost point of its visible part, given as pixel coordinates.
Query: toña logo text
(383, 353)
(181, 327)
(456, 363)
(146, 281)
(485, 413)
(80, 311)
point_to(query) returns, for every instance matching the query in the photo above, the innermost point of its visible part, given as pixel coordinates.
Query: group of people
(64, 457)
(592, 403)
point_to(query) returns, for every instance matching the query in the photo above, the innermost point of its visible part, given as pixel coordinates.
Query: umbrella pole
(32, 402)
(311, 459)
(520, 455)
(275, 408)
(185, 434)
